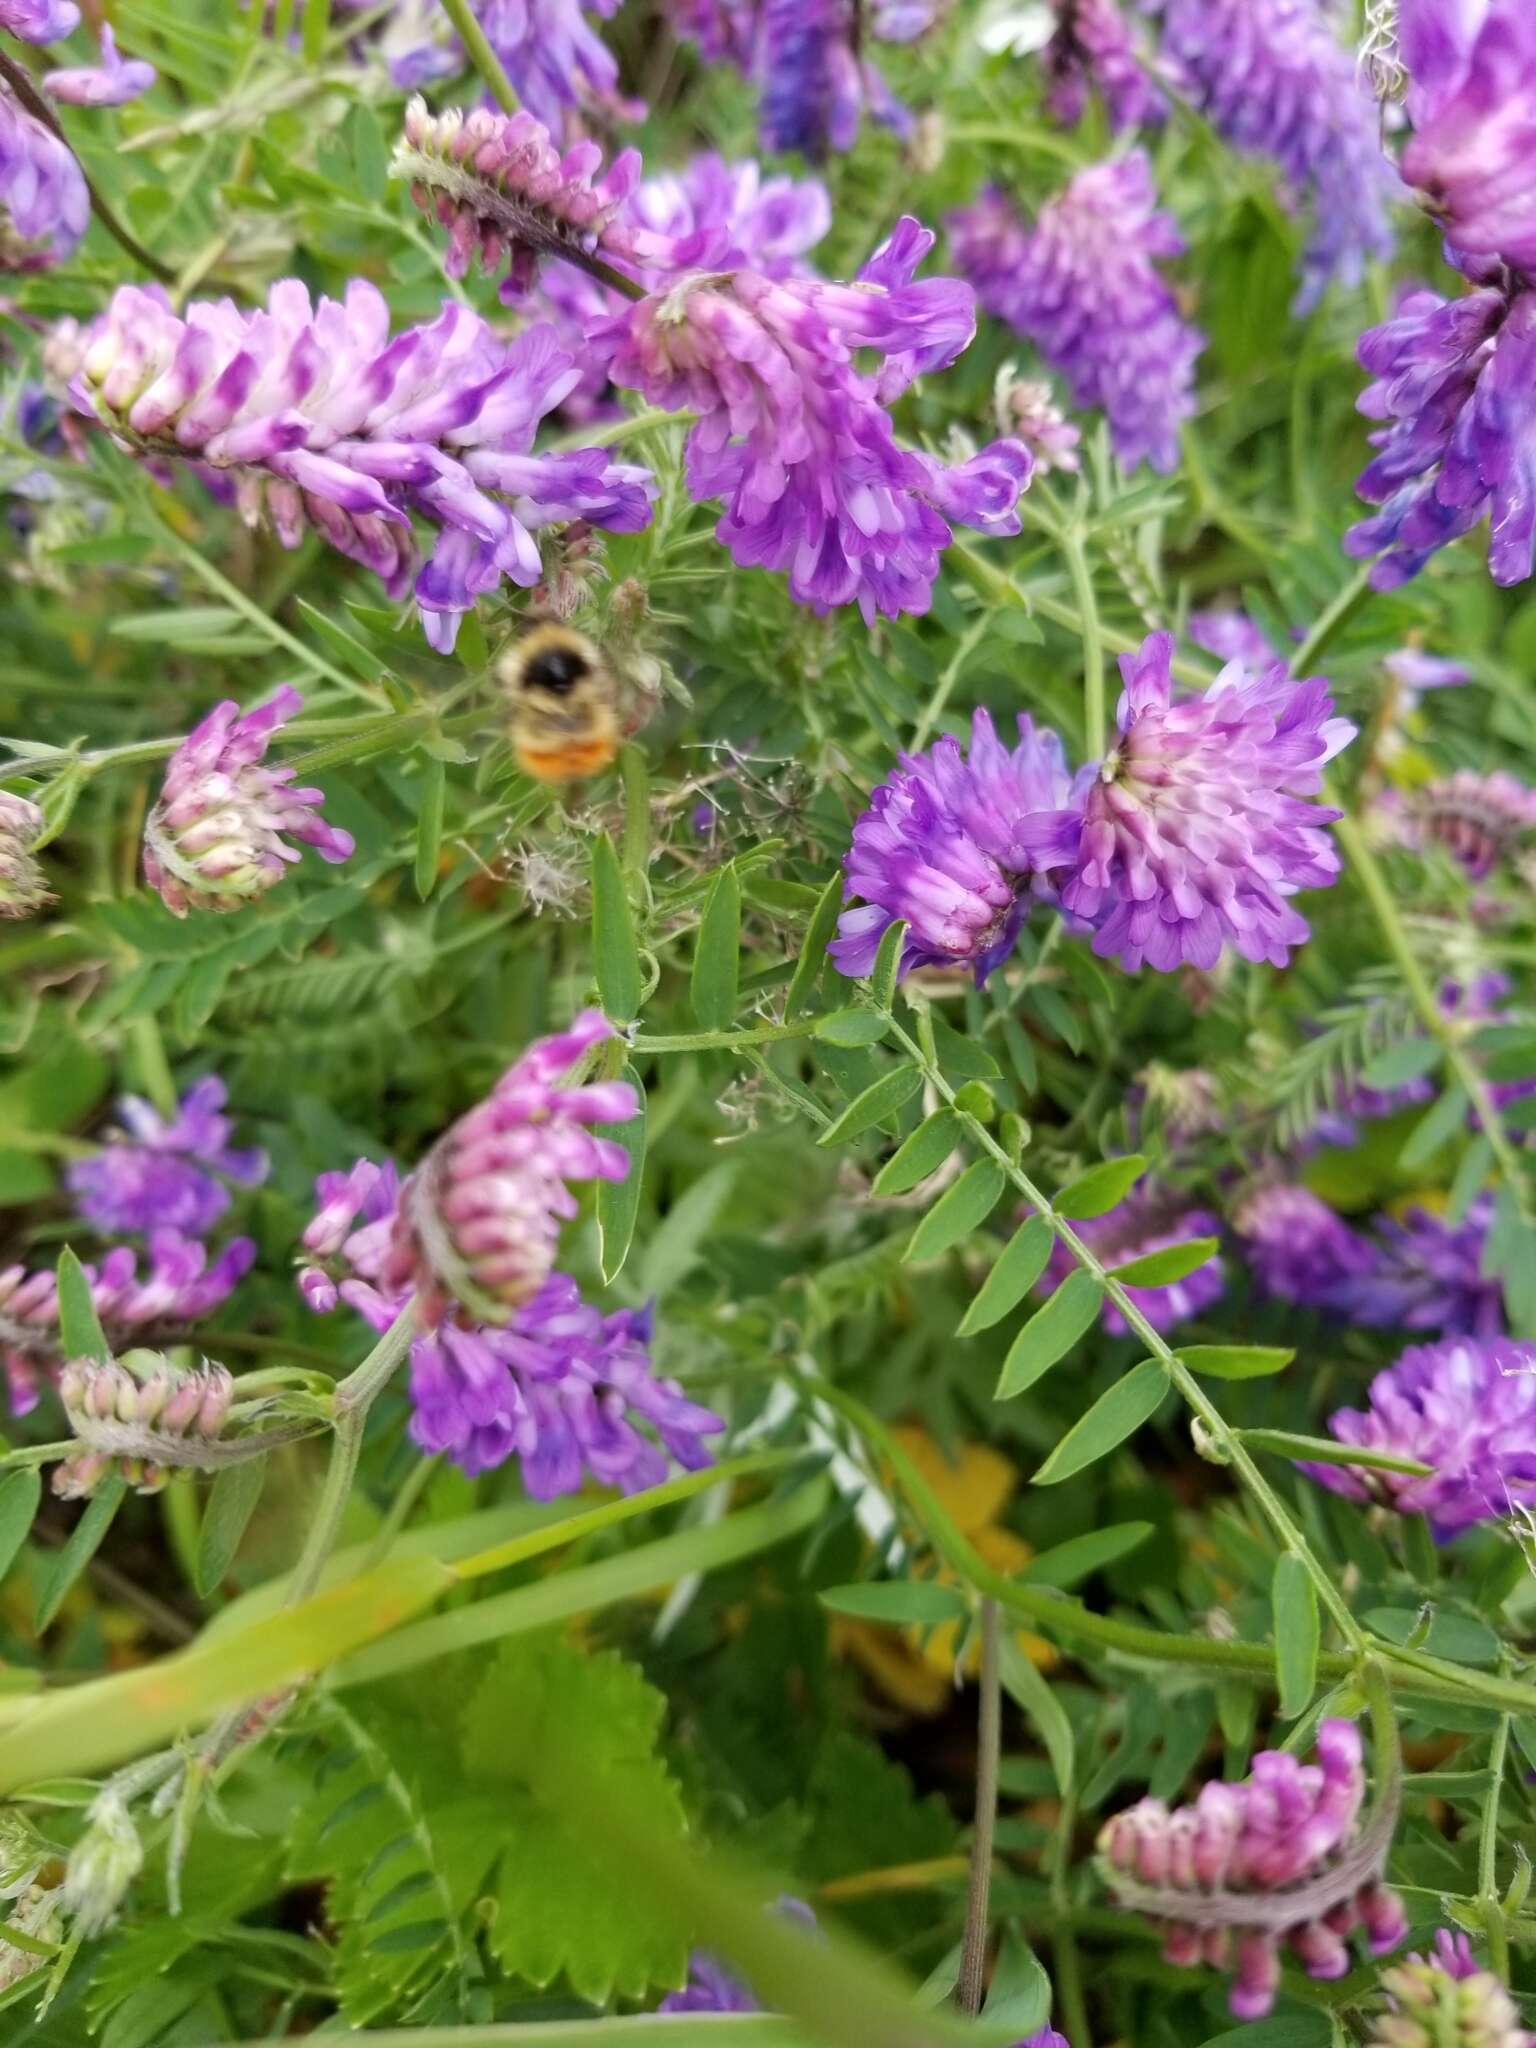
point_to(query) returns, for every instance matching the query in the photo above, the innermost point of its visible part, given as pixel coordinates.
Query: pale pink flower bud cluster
(22, 889)
(1444, 2000)
(137, 1424)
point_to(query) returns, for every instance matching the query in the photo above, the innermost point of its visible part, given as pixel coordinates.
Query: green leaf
(1410, 1060)
(20, 1492)
(566, 1906)
(344, 644)
(1289, 2030)
(84, 1541)
(717, 954)
(1028, 1685)
(80, 1331)
(961, 1057)
(231, 1502)
(896, 1601)
(1296, 1634)
(852, 1027)
(1323, 1450)
(1098, 1190)
(618, 1201)
(676, 1245)
(1050, 1333)
(1064, 1564)
(813, 948)
(879, 1102)
(882, 978)
(429, 824)
(1019, 1995)
(1023, 1260)
(615, 955)
(1236, 1361)
(962, 1208)
(921, 1154)
(1173, 1262)
(1439, 1124)
(1118, 1413)
(317, 14)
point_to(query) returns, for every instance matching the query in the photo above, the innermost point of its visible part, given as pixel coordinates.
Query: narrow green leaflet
(1325, 1450)
(618, 1201)
(1066, 1564)
(1296, 1634)
(231, 1501)
(921, 1154)
(853, 1026)
(1027, 1684)
(1439, 1124)
(813, 948)
(79, 1325)
(1050, 1333)
(882, 979)
(84, 1541)
(615, 955)
(1410, 1060)
(1173, 1262)
(1098, 1190)
(1024, 1259)
(716, 954)
(21, 1492)
(429, 823)
(958, 1211)
(1117, 1414)
(896, 1601)
(1019, 1995)
(1236, 1361)
(878, 1102)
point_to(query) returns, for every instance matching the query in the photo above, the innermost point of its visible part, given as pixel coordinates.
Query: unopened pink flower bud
(22, 889)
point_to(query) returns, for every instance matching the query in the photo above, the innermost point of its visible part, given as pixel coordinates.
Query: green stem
(717, 1041)
(1311, 650)
(973, 1947)
(1491, 1904)
(944, 687)
(481, 55)
(1076, 552)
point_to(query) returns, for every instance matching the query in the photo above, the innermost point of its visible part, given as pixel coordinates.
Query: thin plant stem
(1076, 552)
(722, 1041)
(1492, 1907)
(973, 1947)
(416, 1483)
(944, 687)
(481, 55)
(1069, 1975)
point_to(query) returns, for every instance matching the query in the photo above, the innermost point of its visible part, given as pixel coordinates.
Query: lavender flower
(816, 86)
(1464, 1406)
(1196, 832)
(724, 30)
(40, 21)
(1431, 1276)
(112, 83)
(1150, 1219)
(1453, 379)
(1445, 2000)
(1274, 1858)
(1083, 286)
(1094, 49)
(1298, 1249)
(161, 1174)
(712, 1988)
(1472, 101)
(959, 846)
(326, 421)
(214, 839)
(1231, 636)
(1275, 81)
(554, 58)
(137, 1423)
(44, 205)
(797, 440)
(22, 888)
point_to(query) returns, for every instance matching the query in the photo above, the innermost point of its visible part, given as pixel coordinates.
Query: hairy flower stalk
(1151, 1219)
(140, 1416)
(22, 888)
(1274, 1860)
(45, 206)
(165, 1172)
(214, 838)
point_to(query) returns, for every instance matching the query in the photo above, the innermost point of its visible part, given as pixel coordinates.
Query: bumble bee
(565, 703)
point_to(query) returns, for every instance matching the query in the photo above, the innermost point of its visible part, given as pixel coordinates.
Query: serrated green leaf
(1173, 1262)
(896, 1601)
(962, 1208)
(852, 1027)
(84, 1541)
(1050, 1333)
(80, 1331)
(881, 1100)
(618, 1201)
(717, 954)
(21, 1491)
(615, 954)
(813, 948)
(1065, 1564)
(1117, 1414)
(1098, 1190)
(921, 1154)
(231, 1502)
(1296, 1634)
(1236, 1361)
(1024, 1258)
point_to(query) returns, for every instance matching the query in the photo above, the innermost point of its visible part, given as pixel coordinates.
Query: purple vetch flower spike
(1275, 81)
(508, 196)
(1197, 831)
(1472, 101)
(1464, 1407)
(795, 438)
(44, 204)
(1150, 1219)
(214, 839)
(112, 83)
(1094, 48)
(1479, 819)
(724, 31)
(161, 1172)
(1083, 285)
(959, 844)
(555, 59)
(40, 21)
(1298, 1249)
(22, 888)
(1446, 2000)
(479, 1221)
(1277, 1858)
(1430, 1276)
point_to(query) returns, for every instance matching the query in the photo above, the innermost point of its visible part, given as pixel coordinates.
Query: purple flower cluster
(1430, 1275)
(1478, 819)
(166, 1172)
(112, 83)
(214, 838)
(324, 420)
(1247, 1867)
(1149, 1220)
(1472, 101)
(1464, 1407)
(1093, 48)
(1273, 78)
(1083, 285)
(1298, 1249)
(556, 62)
(39, 21)
(796, 438)
(44, 205)
(1191, 835)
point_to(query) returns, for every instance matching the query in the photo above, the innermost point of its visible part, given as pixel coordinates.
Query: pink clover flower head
(112, 83)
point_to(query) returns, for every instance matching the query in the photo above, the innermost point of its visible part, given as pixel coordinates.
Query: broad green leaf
(852, 1026)
(882, 979)
(618, 1201)
(615, 955)
(813, 948)
(1050, 1333)
(1325, 1450)
(1296, 1634)
(878, 1102)
(1098, 1190)
(921, 1154)
(1173, 1262)
(1065, 1564)
(717, 954)
(1027, 1684)
(1236, 1361)
(1410, 1060)
(1022, 1261)
(84, 1541)
(896, 1601)
(1118, 1413)
(21, 1491)
(429, 823)
(80, 1328)
(231, 1502)
(961, 1057)
(962, 1208)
